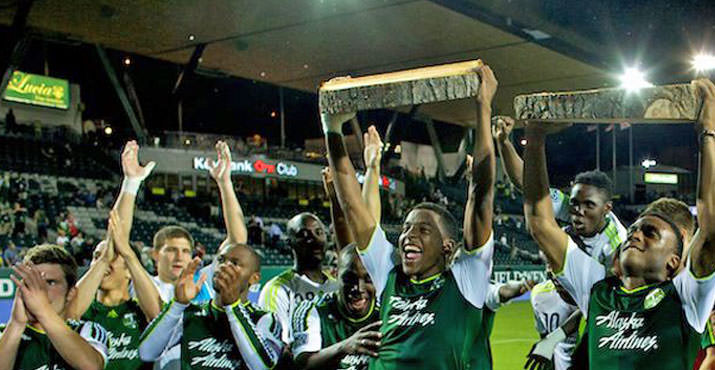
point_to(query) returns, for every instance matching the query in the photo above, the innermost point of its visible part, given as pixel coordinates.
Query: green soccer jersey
(658, 326)
(318, 325)
(37, 353)
(212, 337)
(124, 324)
(437, 323)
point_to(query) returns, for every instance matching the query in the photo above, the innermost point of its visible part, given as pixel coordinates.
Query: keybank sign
(281, 169)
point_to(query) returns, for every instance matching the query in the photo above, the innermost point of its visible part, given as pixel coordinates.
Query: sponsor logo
(626, 336)
(216, 354)
(409, 312)
(258, 166)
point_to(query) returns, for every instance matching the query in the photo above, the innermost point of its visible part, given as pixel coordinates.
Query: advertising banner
(38, 90)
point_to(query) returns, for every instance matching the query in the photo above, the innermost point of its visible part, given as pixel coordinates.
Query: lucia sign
(38, 90)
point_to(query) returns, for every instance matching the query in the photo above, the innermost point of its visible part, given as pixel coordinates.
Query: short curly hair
(596, 179)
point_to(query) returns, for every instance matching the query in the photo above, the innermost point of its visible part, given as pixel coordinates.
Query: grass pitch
(513, 335)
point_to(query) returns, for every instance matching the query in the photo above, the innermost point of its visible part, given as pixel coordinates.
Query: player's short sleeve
(580, 272)
(697, 296)
(96, 336)
(276, 299)
(560, 203)
(306, 329)
(377, 258)
(471, 270)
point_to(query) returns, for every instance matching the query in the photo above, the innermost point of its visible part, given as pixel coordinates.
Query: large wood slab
(659, 104)
(409, 87)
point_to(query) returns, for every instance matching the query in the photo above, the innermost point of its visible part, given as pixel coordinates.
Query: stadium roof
(299, 43)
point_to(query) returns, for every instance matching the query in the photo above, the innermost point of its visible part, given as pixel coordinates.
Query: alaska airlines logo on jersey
(354, 362)
(217, 354)
(118, 347)
(410, 312)
(623, 324)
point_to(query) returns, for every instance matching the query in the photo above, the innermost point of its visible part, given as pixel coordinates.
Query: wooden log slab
(659, 104)
(394, 89)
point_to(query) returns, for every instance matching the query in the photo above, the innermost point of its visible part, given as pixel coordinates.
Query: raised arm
(347, 187)
(146, 292)
(371, 185)
(702, 250)
(478, 212)
(511, 162)
(343, 234)
(134, 175)
(232, 213)
(89, 283)
(538, 208)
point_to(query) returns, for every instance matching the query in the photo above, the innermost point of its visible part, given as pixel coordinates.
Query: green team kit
(124, 324)
(658, 326)
(436, 323)
(36, 352)
(212, 337)
(318, 325)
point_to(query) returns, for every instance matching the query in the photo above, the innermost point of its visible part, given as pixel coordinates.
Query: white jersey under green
(550, 312)
(282, 294)
(602, 246)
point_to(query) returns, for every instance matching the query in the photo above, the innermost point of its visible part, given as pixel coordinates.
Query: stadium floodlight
(648, 163)
(632, 79)
(704, 62)
(108, 130)
(192, 37)
(523, 142)
(127, 61)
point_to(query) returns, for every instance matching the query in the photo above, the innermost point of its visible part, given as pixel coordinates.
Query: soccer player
(652, 313)
(306, 280)
(229, 332)
(431, 315)
(557, 318)
(103, 297)
(38, 334)
(172, 245)
(340, 330)
(587, 210)
(220, 171)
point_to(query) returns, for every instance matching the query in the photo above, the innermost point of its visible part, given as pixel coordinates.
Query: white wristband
(557, 335)
(131, 185)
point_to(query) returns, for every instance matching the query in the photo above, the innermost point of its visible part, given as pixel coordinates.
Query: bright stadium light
(108, 130)
(632, 79)
(704, 62)
(192, 37)
(648, 163)
(523, 142)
